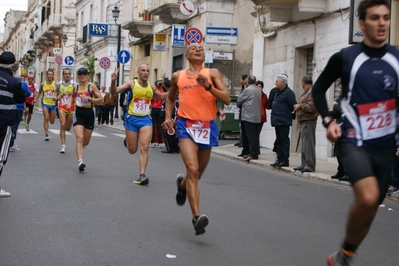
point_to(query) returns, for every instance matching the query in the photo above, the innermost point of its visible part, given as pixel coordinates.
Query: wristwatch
(209, 87)
(327, 121)
(89, 99)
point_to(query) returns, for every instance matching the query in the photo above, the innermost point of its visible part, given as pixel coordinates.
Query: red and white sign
(193, 35)
(187, 8)
(58, 59)
(105, 62)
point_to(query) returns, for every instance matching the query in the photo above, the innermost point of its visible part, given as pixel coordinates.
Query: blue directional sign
(123, 56)
(222, 31)
(178, 31)
(97, 29)
(69, 60)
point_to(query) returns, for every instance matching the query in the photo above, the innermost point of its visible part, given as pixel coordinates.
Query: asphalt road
(58, 216)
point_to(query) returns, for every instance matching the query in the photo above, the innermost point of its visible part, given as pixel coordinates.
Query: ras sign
(97, 29)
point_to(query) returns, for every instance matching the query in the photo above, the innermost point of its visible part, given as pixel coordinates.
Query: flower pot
(147, 17)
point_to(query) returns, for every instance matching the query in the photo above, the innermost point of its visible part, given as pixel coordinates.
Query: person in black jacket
(11, 93)
(281, 119)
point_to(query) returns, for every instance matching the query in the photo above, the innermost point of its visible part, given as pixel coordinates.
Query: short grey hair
(251, 79)
(284, 78)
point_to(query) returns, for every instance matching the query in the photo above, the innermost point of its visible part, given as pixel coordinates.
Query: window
(147, 49)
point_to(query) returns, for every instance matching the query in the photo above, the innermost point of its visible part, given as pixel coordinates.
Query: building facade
(297, 37)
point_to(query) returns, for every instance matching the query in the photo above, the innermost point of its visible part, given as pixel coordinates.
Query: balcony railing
(158, 3)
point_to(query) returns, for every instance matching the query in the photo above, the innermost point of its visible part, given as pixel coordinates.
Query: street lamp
(115, 15)
(65, 40)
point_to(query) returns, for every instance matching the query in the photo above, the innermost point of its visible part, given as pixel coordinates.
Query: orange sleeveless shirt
(195, 103)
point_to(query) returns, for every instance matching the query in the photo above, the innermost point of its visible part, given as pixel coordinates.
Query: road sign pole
(118, 65)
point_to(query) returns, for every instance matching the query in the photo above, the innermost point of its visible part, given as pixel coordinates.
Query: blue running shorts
(49, 107)
(182, 133)
(134, 123)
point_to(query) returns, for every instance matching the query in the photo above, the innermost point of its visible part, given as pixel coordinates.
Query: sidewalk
(324, 168)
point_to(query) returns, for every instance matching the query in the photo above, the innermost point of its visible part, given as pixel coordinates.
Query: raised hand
(114, 75)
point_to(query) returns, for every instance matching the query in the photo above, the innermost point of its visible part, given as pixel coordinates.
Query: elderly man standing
(306, 114)
(281, 119)
(251, 101)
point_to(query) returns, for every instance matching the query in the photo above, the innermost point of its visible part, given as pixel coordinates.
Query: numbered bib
(50, 94)
(141, 106)
(199, 131)
(377, 119)
(79, 100)
(65, 100)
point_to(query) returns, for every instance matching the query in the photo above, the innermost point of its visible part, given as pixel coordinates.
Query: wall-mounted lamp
(65, 40)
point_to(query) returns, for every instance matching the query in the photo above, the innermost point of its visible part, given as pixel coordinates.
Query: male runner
(33, 88)
(365, 139)
(48, 102)
(86, 95)
(198, 89)
(137, 121)
(66, 104)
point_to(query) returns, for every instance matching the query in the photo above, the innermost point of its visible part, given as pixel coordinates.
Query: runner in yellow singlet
(137, 121)
(66, 104)
(48, 102)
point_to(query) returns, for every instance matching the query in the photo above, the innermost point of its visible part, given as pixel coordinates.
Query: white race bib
(377, 119)
(50, 94)
(65, 100)
(141, 106)
(199, 131)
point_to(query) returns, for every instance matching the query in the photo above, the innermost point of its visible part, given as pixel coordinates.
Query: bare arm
(159, 95)
(122, 88)
(170, 102)
(98, 99)
(218, 89)
(38, 94)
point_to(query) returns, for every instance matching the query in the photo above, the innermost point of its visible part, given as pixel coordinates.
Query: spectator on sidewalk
(102, 115)
(281, 119)
(243, 86)
(250, 101)
(110, 101)
(157, 118)
(336, 114)
(265, 105)
(306, 114)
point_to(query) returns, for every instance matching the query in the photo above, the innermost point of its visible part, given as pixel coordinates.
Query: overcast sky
(5, 6)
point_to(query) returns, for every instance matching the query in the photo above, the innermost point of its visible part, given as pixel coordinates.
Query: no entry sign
(193, 35)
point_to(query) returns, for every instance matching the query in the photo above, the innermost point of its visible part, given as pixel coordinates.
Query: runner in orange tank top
(198, 89)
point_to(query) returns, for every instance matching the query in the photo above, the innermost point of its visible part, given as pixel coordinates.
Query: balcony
(136, 25)
(50, 30)
(292, 10)
(168, 11)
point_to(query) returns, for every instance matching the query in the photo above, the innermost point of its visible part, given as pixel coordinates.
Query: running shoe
(142, 180)
(27, 127)
(161, 145)
(63, 147)
(200, 222)
(14, 148)
(47, 138)
(4, 193)
(181, 193)
(392, 189)
(23, 122)
(153, 145)
(340, 258)
(82, 166)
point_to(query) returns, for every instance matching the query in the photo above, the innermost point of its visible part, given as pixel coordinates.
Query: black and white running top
(370, 87)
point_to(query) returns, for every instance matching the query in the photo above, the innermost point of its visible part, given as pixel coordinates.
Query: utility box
(227, 118)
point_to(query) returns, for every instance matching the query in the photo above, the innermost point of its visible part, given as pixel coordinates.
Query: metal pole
(118, 65)
(232, 73)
